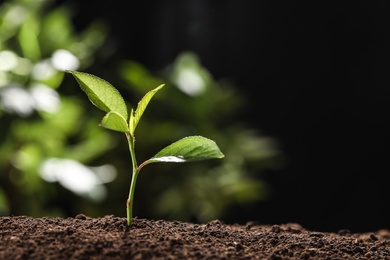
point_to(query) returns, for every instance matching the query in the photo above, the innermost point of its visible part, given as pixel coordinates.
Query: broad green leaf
(188, 149)
(101, 93)
(142, 106)
(114, 121)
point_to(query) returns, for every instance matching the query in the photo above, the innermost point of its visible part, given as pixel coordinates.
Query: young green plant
(106, 97)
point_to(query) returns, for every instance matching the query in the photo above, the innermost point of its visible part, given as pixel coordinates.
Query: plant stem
(129, 202)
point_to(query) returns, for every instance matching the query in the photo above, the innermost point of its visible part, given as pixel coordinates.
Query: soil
(109, 237)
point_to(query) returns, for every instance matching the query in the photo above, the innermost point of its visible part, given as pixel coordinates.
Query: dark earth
(109, 237)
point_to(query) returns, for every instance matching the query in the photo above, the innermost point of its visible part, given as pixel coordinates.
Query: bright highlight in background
(78, 178)
(64, 60)
(190, 82)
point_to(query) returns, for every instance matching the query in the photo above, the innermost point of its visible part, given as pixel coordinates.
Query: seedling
(106, 97)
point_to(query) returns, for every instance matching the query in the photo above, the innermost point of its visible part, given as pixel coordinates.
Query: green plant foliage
(104, 96)
(212, 108)
(114, 121)
(188, 149)
(44, 125)
(39, 119)
(101, 93)
(141, 108)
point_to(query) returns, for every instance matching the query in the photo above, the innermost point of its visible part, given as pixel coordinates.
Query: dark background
(316, 76)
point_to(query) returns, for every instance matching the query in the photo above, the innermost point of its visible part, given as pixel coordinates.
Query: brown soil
(109, 238)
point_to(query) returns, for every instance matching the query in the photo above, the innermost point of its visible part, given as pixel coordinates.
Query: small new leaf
(114, 121)
(101, 93)
(142, 106)
(188, 149)
(131, 122)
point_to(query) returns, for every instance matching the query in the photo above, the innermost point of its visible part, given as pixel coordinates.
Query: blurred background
(295, 94)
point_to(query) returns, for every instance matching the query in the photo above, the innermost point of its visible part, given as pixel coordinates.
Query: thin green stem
(129, 202)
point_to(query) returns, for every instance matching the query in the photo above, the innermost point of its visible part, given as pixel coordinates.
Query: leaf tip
(160, 87)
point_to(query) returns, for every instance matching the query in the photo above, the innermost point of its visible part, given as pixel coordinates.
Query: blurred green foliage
(48, 131)
(38, 121)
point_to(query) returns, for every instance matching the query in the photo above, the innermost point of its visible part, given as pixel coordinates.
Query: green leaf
(188, 149)
(131, 122)
(114, 121)
(101, 93)
(142, 106)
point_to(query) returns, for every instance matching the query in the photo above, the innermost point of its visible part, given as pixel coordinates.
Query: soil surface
(109, 237)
